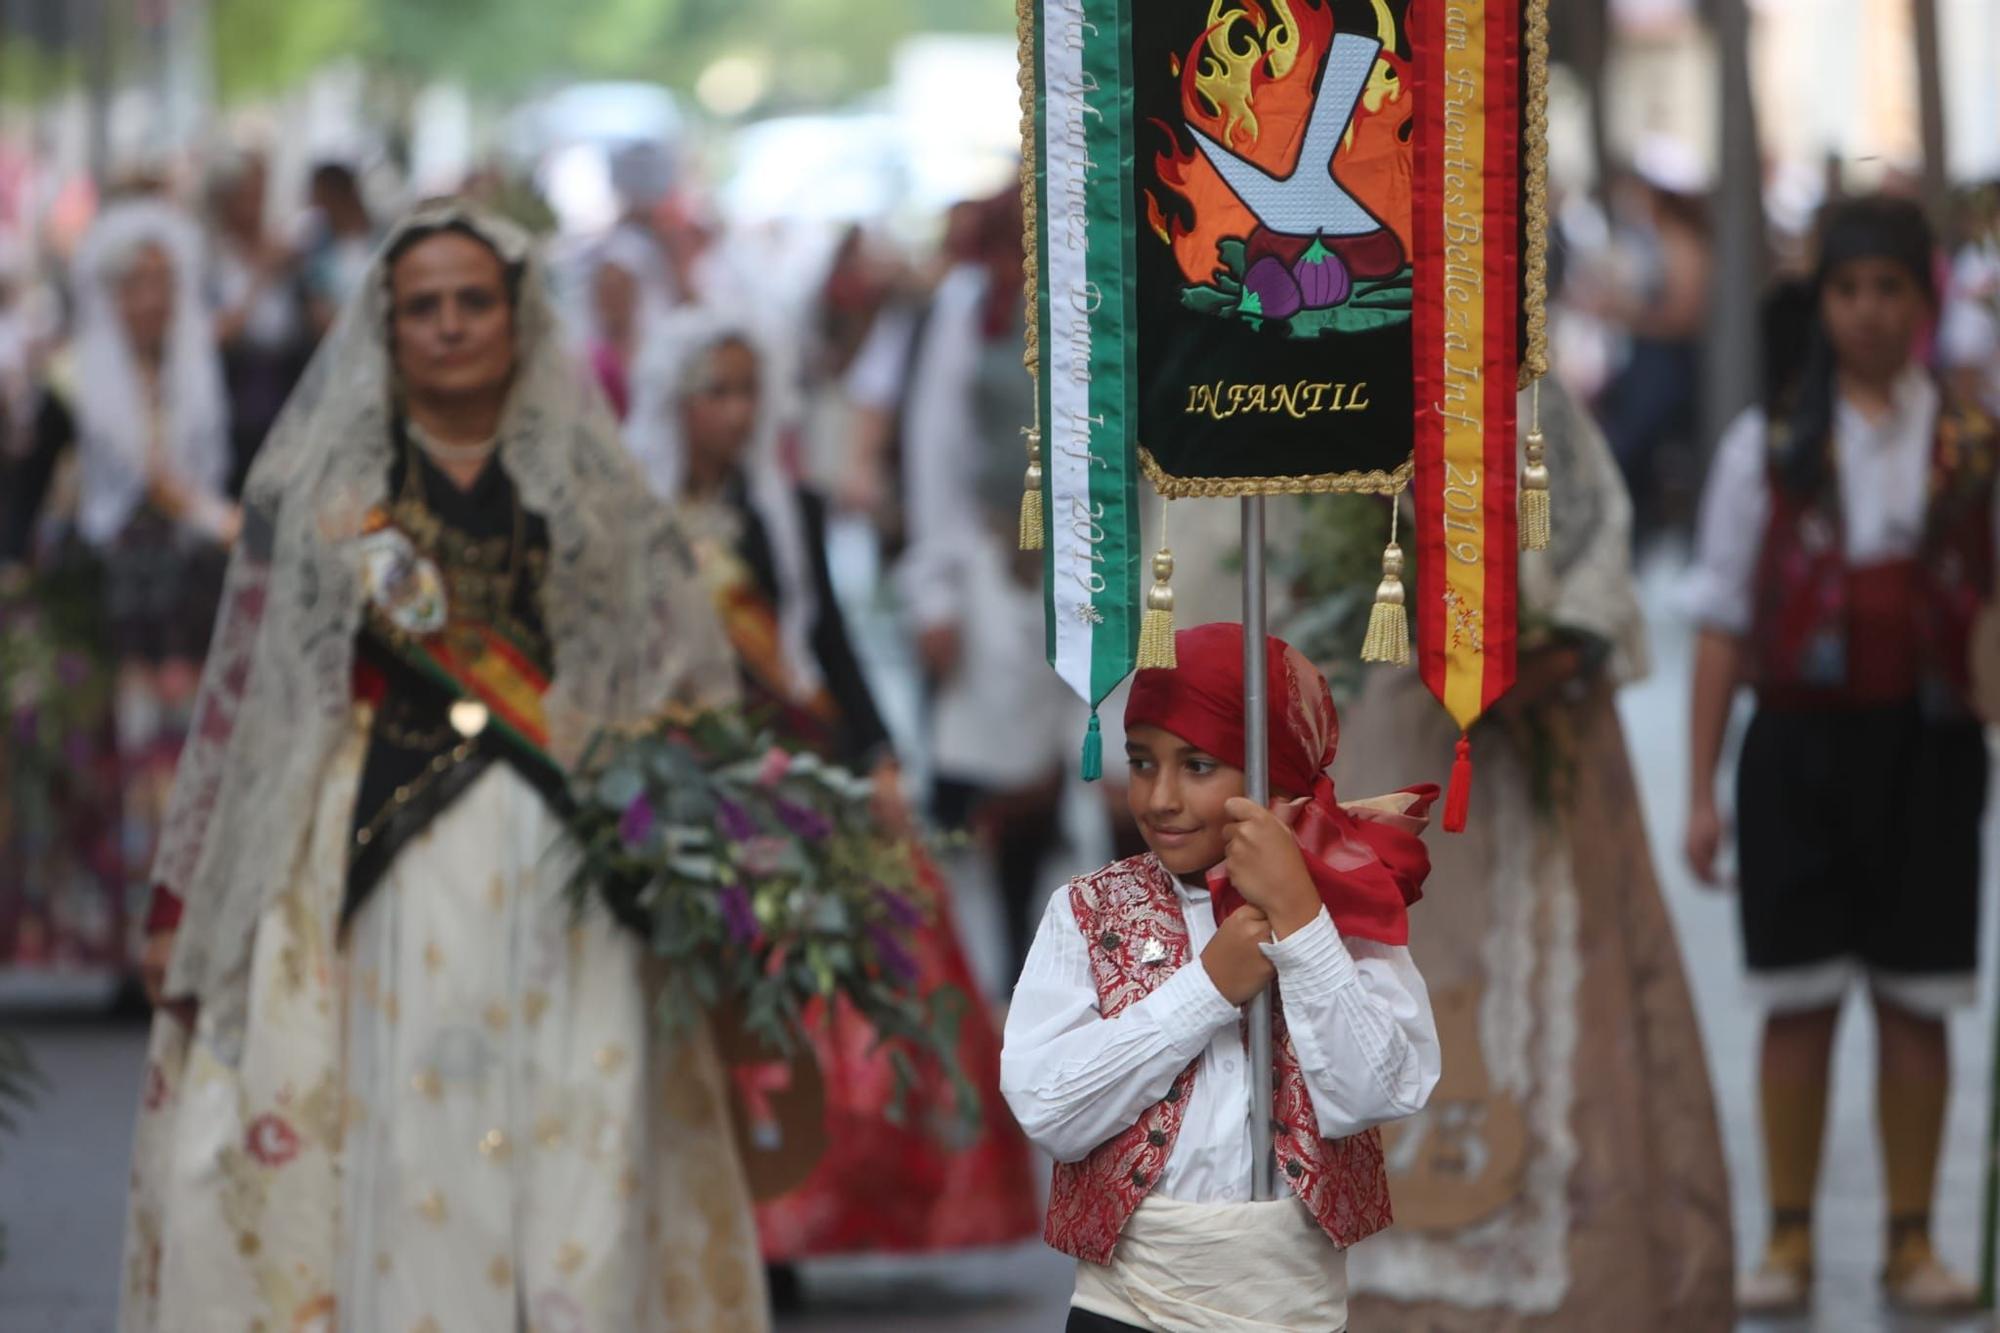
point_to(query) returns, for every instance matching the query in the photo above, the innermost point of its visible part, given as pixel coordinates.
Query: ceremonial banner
(1274, 273)
(1084, 324)
(1468, 318)
(1287, 246)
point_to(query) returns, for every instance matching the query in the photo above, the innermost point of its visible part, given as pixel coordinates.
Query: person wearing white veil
(624, 302)
(398, 1080)
(111, 529)
(706, 443)
(152, 464)
(702, 428)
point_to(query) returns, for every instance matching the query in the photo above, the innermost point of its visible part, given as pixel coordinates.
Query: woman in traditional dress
(1568, 1173)
(702, 436)
(129, 501)
(399, 1081)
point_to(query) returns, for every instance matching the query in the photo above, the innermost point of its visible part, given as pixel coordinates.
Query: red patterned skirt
(925, 1184)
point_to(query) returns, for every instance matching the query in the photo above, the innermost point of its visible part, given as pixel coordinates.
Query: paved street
(62, 1182)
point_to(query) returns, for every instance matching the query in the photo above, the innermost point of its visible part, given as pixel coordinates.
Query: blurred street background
(825, 166)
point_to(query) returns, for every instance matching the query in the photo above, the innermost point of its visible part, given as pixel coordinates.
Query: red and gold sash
(475, 662)
(750, 620)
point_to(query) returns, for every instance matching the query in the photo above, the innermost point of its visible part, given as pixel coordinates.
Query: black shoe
(787, 1289)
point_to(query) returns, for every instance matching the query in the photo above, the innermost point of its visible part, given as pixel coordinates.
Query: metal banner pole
(1257, 774)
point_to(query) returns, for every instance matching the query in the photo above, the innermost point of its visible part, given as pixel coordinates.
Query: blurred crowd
(1634, 293)
(146, 355)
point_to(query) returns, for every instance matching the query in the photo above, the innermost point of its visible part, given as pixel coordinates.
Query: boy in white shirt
(1125, 1058)
(1845, 552)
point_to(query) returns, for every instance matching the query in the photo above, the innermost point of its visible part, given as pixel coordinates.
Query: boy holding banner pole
(1125, 1055)
(1271, 251)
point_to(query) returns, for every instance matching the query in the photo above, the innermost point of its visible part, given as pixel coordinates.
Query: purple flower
(737, 915)
(895, 959)
(901, 910)
(737, 825)
(72, 669)
(804, 821)
(635, 826)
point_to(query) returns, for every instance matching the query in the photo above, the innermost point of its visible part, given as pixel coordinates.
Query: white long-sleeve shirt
(1883, 469)
(1358, 1012)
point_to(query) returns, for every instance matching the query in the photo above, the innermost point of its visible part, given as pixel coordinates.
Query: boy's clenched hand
(1232, 959)
(1263, 862)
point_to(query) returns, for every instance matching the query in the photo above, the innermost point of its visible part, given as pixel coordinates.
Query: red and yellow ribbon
(1467, 353)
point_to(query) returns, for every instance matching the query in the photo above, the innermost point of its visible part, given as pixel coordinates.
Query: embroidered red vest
(1829, 635)
(1120, 910)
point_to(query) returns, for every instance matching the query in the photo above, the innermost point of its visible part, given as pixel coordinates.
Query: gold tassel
(1389, 620)
(1156, 627)
(1031, 495)
(1535, 521)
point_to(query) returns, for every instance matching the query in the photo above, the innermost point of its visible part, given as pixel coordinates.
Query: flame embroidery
(1249, 82)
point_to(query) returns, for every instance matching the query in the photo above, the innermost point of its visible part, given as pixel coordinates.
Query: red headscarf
(1367, 859)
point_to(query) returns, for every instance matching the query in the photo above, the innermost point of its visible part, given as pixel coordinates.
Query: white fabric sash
(1220, 1268)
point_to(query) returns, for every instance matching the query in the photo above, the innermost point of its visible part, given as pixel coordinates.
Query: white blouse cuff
(1312, 962)
(1188, 1009)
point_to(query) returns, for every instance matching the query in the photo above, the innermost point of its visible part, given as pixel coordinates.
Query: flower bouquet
(762, 879)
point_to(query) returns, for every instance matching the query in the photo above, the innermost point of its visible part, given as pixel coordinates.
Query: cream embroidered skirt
(459, 1120)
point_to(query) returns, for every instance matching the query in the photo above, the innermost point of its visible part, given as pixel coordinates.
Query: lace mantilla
(629, 624)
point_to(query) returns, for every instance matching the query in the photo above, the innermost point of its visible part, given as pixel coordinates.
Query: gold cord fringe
(1031, 496)
(1031, 519)
(1156, 626)
(1156, 641)
(1389, 620)
(1535, 520)
(1535, 524)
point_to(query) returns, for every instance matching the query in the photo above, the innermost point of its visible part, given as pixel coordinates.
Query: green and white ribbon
(1086, 232)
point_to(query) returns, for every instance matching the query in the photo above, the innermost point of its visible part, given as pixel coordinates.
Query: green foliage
(261, 47)
(55, 674)
(28, 72)
(1350, 317)
(822, 50)
(496, 46)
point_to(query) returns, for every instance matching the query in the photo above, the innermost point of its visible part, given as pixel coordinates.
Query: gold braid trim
(1535, 145)
(1326, 483)
(1033, 506)
(1028, 77)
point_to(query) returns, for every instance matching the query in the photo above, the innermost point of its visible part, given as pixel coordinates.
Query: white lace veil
(113, 418)
(669, 359)
(630, 624)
